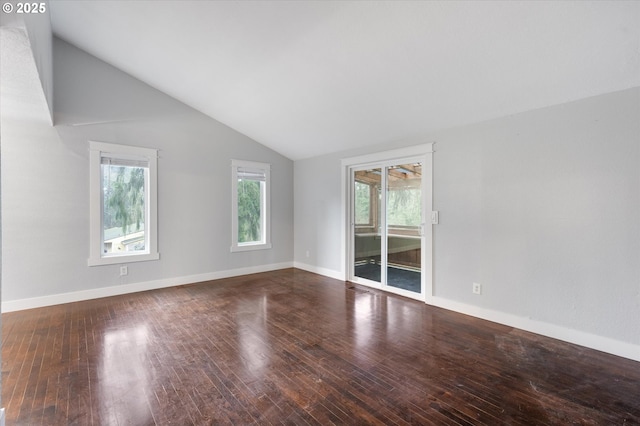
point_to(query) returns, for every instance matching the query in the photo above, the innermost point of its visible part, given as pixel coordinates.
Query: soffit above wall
(21, 94)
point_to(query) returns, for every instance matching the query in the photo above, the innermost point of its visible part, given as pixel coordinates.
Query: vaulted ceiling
(308, 78)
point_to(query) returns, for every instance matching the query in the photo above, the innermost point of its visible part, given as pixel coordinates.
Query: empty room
(320, 212)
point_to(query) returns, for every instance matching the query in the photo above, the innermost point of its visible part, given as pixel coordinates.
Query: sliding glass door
(387, 226)
(404, 226)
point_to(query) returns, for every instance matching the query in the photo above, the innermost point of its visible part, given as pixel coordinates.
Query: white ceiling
(309, 78)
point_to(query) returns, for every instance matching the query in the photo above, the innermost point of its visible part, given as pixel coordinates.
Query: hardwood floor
(291, 347)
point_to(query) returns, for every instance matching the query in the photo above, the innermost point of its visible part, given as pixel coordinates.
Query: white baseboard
(600, 343)
(592, 341)
(320, 271)
(77, 296)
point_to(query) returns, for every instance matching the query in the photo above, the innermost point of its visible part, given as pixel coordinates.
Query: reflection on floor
(396, 277)
(292, 347)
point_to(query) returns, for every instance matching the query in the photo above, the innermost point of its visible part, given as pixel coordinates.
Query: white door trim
(399, 155)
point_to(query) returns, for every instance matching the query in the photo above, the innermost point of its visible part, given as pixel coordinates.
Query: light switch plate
(435, 217)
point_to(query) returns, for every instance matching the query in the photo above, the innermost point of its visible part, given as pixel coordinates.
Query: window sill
(250, 247)
(123, 258)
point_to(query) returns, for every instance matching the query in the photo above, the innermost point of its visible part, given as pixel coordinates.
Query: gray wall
(45, 192)
(542, 208)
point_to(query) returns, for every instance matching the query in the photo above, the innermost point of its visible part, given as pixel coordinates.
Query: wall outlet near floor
(124, 271)
(477, 288)
(307, 253)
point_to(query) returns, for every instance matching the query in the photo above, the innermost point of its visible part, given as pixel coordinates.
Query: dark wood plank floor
(290, 347)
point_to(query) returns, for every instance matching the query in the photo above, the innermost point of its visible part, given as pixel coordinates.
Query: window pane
(404, 195)
(123, 209)
(367, 241)
(250, 195)
(404, 206)
(362, 203)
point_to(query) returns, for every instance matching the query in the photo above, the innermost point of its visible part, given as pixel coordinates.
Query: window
(363, 205)
(250, 225)
(404, 207)
(123, 205)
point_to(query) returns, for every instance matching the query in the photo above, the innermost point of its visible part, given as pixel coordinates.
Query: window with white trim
(123, 205)
(250, 205)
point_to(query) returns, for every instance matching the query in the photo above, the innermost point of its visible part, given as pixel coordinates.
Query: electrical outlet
(307, 253)
(477, 288)
(124, 271)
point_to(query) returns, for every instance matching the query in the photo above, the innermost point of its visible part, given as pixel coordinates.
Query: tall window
(123, 204)
(250, 224)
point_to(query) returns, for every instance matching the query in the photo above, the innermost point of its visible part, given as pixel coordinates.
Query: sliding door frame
(422, 153)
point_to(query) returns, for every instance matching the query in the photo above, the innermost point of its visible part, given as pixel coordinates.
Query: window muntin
(123, 204)
(250, 206)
